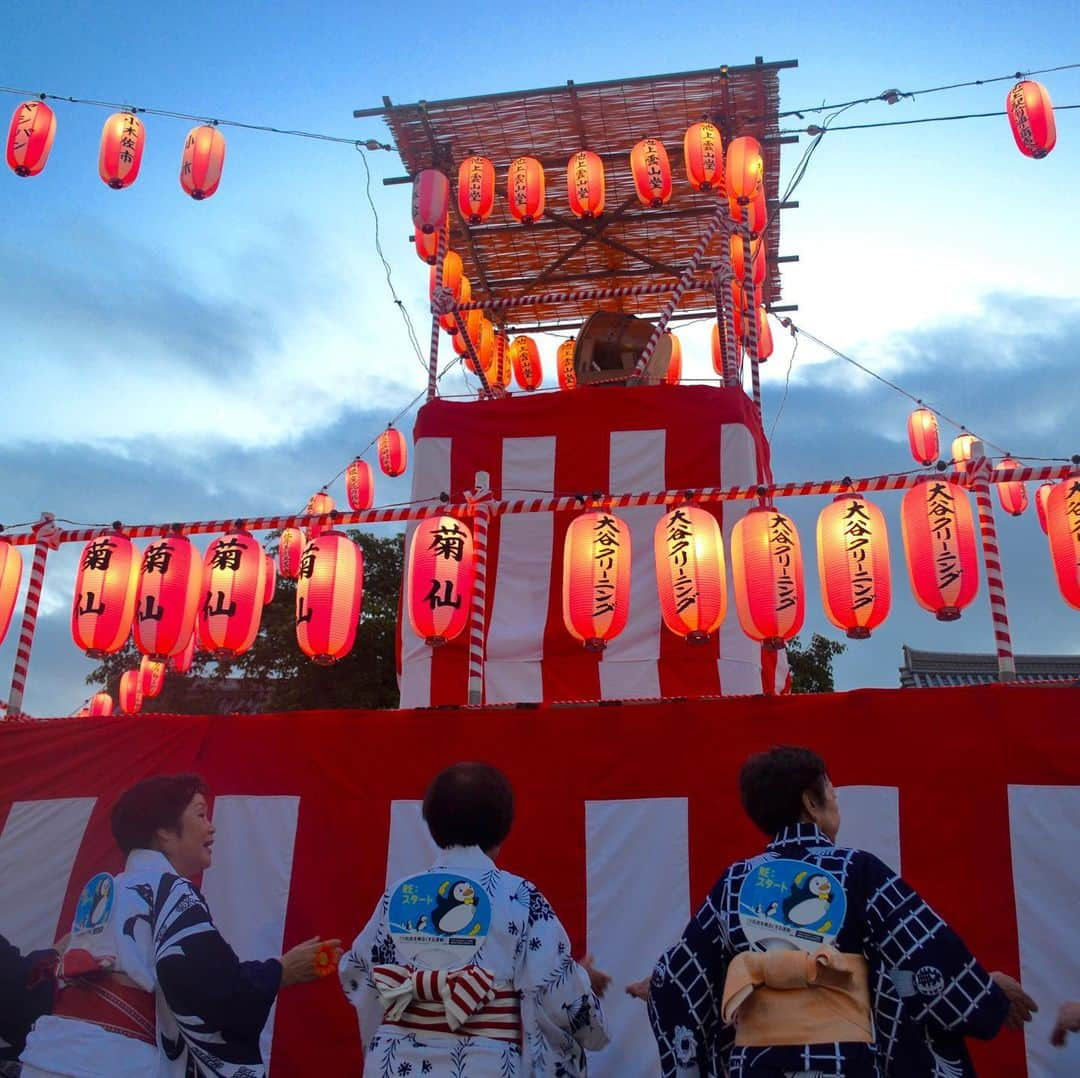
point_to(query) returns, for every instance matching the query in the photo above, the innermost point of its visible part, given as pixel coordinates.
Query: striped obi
(464, 1001)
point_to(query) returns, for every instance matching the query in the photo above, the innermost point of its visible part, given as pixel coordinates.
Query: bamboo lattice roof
(629, 243)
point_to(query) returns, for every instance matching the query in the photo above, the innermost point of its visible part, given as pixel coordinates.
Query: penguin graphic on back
(455, 907)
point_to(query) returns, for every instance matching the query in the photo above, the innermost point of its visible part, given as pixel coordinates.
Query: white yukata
(520, 947)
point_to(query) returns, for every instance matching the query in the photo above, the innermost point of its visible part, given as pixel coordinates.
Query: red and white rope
(613, 292)
(722, 291)
(749, 320)
(433, 357)
(478, 367)
(26, 635)
(477, 627)
(995, 579)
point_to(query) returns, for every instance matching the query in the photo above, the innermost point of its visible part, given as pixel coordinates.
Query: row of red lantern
(123, 139)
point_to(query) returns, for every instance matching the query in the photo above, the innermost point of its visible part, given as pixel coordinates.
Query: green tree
(275, 675)
(811, 667)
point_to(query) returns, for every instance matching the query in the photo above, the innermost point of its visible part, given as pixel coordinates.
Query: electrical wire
(819, 131)
(787, 382)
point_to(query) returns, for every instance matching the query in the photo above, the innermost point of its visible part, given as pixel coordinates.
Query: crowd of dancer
(808, 960)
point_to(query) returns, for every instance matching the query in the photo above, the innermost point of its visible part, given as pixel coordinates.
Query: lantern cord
(819, 131)
(787, 383)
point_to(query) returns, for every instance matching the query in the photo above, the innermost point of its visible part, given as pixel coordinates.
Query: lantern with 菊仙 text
(319, 504)
(359, 485)
(30, 138)
(393, 452)
(744, 169)
(1031, 117)
(167, 597)
(271, 580)
(651, 171)
(100, 705)
(129, 696)
(757, 258)
(105, 587)
(151, 677)
(764, 334)
(440, 577)
(596, 578)
(525, 357)
(961, 451)
(290, 547)
(525, 189)
(564, 363)
(122, 142)
(202, 162)
(853, 565)
(1063, 530)
(674, 369)
(427, 244)
(703, 156)
(767, 572)
(476, 189)
(1012, 494)
(1040, 504)
(690, 578)
(585, 184)
(430, 200)
(939, 542)
(234, 587)
(329, 593)
(10, 576)
(922, 432)
(181, 663)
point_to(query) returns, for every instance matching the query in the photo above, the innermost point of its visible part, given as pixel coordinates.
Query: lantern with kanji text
(359, 485)
(202, 162)
(476, 189)
(1041, 495)
(564, 363)
(100, 705)
(939, 542)
(234, 589)
(167, 597)
(1031, 117)
(440, 577)
(122, 140)
(151, 677)
(585, 184)
(1063, 530)
(430, 200)
(525, 357)
(10, 576)
(1012, 494)
(129, 695)
(393, 452)
(767, 572)
(674, 370)
(105, 588)
(596, 578)
(853, 565)
(525, 189)
(30, 138)
(319, 504)
(290, 547)
(922, 432)
(745, 169)
(961, 451)
(690, 578)
(329, 593)
(651, 171)
(502, 372)
(703, 156)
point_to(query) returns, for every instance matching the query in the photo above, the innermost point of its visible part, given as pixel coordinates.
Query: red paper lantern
(430, 200)
(764, 335)
(939, 541)
(441, 574)
(757, 258)
(651, 170)
(319, 504)
(359, 485)
(427, 244)
(525, 356)
(1063, 529)
(767, 571)
(203, 161)
(181, 663)
(1031, 117)
(10, 576)
(129, 695)
(525, 189)
(290, 548)
(596, 578)
(451, 275)
(486, 351)
(101, 705)
(30, 138)
(167, 597)
(853, 565)
(474, 330)
(704, 156)
(151, 677)
(674, 371)
(716, 351)
(502, 374)
(271, 580)
(329, 593)
(1011, 494)
(105, 588)
(122, 142)
(961, 451)
(234, 586)
(690, 577)
(922, 432)
(564, 362)
(758, 210)
(585, 184)
(393, 452)
(745, 169)
(476, 189)
(463, 295)
(1040, 504)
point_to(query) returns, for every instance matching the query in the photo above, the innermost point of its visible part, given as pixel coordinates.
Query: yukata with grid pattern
(928, 992)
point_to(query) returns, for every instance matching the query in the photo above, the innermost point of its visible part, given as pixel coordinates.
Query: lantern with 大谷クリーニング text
(596, 578)
(1063, 531)
(690, 574)
(767, 573)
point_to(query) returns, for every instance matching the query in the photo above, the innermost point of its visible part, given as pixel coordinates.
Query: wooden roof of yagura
(629, 243)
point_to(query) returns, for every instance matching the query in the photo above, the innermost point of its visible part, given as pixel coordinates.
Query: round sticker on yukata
(791, 904)
(95, 904)
(438, 920)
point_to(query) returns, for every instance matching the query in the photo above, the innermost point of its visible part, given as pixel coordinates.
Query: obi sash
(794, 997)
(111, 1002)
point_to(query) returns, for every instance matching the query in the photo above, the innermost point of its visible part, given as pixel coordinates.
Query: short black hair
(152, 804)
(771, 785)
(469, 804)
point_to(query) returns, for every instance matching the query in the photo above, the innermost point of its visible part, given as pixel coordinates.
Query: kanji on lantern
(476, 189)
(1011, 493)
(100, 706)
(151, 677)
(202, 162)
(167, 597)
(329, 593)
(690, 578)
(430, 200)
(105, 589)
(525, 356)
(525, 189)
(359, 485)
(585, 184)
(651, 171)
(393, 452)
(129, 695)
(564, 363)
(440, 577)
(290, 548)
(122, 142)
(596, 578)
(10, 576)
(767, 572)
(30, 138)
(922, 428)
(1063, 530)
(1031, 117)
(234, 587)
(703, 156)
(502, 368)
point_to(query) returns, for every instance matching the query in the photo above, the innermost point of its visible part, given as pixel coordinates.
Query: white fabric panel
(638, 903)
(522, 578)
(870, 820)
(431, 476)
(631, 680)
(37, 851)
(247, 886)
(1044, 822)
(410, 848)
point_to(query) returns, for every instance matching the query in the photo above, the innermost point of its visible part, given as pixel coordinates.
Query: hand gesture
(639, 989)
(1068, 1021)
(307, 961)
(1021, 1005)
(598, 980)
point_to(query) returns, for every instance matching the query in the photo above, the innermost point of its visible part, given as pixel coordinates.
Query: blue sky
(165, 359)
